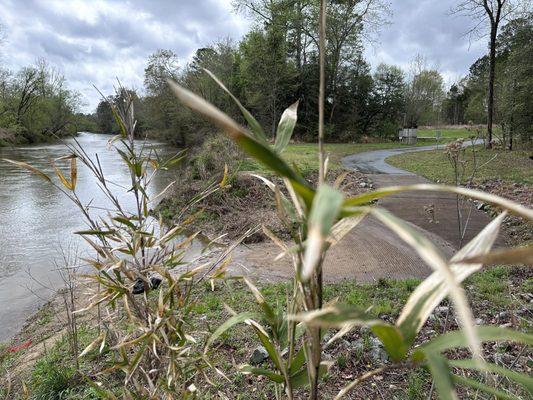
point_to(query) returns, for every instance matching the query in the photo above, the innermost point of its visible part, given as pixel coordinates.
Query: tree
(388, 99)
(104, 116)
(424, 94)
(454, 106)
(267, 76)
(516, 57)
(493, 13)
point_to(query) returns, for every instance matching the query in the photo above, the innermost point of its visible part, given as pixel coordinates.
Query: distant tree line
(275, 64)
(36, 104)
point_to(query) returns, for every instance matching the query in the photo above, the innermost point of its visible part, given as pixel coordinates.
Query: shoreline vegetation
(145, 321)
(497, 295)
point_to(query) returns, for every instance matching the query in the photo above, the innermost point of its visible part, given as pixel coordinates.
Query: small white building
(408, 136)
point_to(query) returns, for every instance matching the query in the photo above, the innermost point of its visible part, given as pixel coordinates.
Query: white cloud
(95, 41)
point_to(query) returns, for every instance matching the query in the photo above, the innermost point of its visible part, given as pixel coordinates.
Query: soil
(246, 202)
(518, 231)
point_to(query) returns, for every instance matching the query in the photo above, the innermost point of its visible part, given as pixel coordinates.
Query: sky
(92, 42)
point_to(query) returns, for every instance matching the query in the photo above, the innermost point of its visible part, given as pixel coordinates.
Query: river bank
(40, 354)
(37, 222)
(499, 296)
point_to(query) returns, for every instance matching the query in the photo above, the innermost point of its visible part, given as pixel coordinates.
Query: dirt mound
(246, 202)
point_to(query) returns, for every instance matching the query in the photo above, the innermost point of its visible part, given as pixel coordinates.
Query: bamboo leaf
(95, 232)
(456, 339)
(336, 316)
(324, 212)
(255, 127)
(518, 255)
(301, 378)
(480, 386)
(494, 200)
(93, 344)
(260, 151)
(442, 376)
(345, 226)
(268, 312)
(274, 377)
(73, 172)
(522, 379)
(61, 177)
(433, 289)
(429, 253)
(236, 319)
(286, 127)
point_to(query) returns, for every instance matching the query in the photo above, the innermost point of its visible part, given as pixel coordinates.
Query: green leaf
(267, 157)
(286, 127)
(494, 200)
(480, 386)
(522, 379)
(274, 377)
(119, 121)
(125, 221)
(442, 376)
(324, 212)
(236, 319)
(433, 289)
(298, 361)
(392, 340)
(255, 127)
(301, 378)
(267, 344)
(455, 339)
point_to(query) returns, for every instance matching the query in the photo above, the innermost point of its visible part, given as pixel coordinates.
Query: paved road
(414, 206)
(371, 250)
(373, 162)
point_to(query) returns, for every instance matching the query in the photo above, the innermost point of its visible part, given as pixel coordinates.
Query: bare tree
(493, 13)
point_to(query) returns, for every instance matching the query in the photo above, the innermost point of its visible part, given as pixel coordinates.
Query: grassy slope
(489, 291)
(512, 166)
(305, 155)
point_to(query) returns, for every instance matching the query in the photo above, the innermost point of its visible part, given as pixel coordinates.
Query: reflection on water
(36, 220)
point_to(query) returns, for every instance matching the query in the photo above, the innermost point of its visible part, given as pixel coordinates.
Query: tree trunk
(492, 67)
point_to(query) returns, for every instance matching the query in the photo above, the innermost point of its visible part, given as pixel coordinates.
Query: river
(36, 221)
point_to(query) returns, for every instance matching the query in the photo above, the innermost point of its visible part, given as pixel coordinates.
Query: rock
(503, 315)
(359, 345)
(365, 330)
(363, 184)
(138, 288)
(442, 310)
(479, 321)
(377, 353)
(259, 355)
(375, 342)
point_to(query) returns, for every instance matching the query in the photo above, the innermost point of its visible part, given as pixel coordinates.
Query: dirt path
(371, 251)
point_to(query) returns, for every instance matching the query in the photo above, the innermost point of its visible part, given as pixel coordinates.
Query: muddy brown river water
(36, 221)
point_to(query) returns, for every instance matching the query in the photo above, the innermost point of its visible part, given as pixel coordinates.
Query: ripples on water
(36, 220)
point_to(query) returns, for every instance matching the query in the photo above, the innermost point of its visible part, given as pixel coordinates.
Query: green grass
(513, 166)
(446, 133)
(305, 155)
(54, 375)
(454, 133)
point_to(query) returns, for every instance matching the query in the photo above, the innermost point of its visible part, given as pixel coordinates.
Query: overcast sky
(94, 41)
